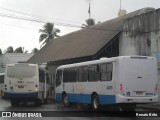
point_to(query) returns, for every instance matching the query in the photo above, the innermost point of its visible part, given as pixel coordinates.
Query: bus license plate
(139, 93)
(20, 86)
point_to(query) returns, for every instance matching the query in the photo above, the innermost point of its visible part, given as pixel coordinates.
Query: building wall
(13, 58)
(141, 36)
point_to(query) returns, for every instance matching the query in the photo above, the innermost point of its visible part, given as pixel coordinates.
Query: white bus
(124, 81)
(1, 83)
(26, 82)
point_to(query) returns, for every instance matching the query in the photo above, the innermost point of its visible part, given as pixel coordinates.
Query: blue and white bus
(124, 81)
(26, 82)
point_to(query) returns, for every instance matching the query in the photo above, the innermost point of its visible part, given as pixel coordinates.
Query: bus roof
(102, 60)
(2, 73)
(27, 64)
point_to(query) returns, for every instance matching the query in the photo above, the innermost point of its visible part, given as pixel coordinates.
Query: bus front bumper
(8, 95)
(137, 99)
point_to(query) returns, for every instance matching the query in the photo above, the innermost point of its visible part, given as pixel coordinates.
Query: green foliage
(9, 50)
(48, 33)
(18, 50)
(0, 52)
(34, 50)
(89, 22)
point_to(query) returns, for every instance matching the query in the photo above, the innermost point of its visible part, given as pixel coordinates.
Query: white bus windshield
(21, 71)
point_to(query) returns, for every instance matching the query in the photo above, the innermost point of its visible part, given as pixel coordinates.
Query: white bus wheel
(95, 102)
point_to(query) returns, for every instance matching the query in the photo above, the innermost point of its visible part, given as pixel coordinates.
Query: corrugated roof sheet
(84, 42)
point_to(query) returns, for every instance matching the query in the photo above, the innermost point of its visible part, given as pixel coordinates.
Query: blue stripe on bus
(86, 98)
(20, 95)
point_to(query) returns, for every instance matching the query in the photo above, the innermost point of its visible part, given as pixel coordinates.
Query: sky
(67, 15)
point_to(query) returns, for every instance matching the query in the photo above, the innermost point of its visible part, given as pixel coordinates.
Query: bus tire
(13, 103)
(46, 100)
(95, 102)
(65, 100)
(38, 102)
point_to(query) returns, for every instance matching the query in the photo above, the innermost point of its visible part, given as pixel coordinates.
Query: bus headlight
(36, 90)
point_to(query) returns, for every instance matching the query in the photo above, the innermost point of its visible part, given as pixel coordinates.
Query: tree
(48, 33)
(9, 50)
(89, 22)
(26, 51)
(18, 50)
(0, 52)
(34, 50)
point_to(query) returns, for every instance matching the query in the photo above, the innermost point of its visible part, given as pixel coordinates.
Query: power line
(62, 24)
(18, 26)
(37, 16)
(39, 21)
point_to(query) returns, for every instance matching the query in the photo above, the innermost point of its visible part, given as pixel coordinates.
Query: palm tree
(34, 50)
(18, 50)
(49, 32)
(0, 52)
(9, 50)
(89, 22)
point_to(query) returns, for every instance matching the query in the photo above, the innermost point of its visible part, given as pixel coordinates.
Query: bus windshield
(21, 71)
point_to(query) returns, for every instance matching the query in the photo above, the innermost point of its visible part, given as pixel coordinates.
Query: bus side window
(97, 72)
(103, 72)
(109, 71)
(41, 76)
(1, 79)
(93, 73)
(73, 75)
(65, 75)
(58, 77)
(80, 73)
(85, 73)
(106, 72)
(48, 78)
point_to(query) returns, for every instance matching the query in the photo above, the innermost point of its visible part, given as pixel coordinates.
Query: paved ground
(54, 108)
(150, 106)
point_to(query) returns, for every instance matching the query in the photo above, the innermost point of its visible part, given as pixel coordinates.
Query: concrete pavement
(155, 106)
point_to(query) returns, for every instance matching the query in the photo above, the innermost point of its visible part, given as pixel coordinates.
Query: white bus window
(103, 72)
(58, 77)
(65, 75)
(73, 75)
(80, 71)
(48, 78)
(21, 72)
(96, 72)
(106, 72)
(91, 76)
(109, 71)
(2, 79)
(85, 74)
(41, 76)
(93, 73)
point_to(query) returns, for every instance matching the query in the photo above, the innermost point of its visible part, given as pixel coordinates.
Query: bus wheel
(38, 102)
(95, 102)
(46, 100)
(65, 99)
(13, 103)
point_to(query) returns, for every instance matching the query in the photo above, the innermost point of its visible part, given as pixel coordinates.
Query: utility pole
(120, 4)
(89, 11)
